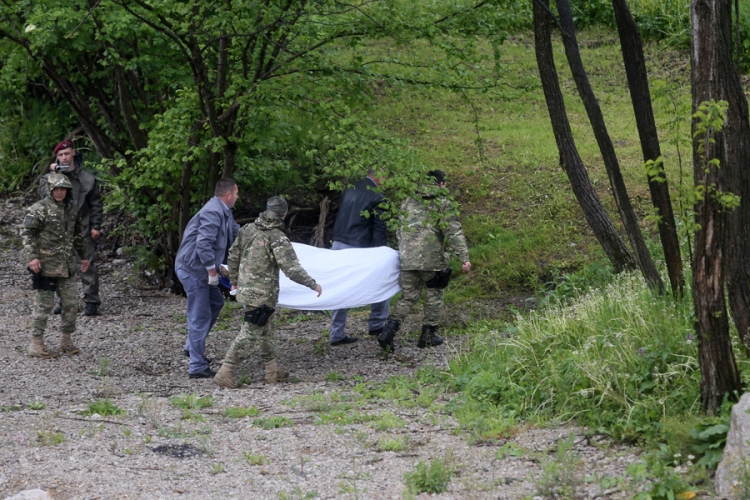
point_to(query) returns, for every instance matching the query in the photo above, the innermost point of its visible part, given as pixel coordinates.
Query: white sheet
(350, 278)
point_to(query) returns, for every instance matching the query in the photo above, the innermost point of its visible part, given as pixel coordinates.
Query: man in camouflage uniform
(256, 256)
(53, 237)
(427, 224)
(85, 194)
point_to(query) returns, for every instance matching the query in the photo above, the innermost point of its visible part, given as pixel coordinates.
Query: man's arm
(96, 209)
(79, 241)
(32, 224)
(286, 258)
(453, 234)
(208, 230)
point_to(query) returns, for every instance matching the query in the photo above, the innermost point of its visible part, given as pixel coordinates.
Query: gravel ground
(132, 355)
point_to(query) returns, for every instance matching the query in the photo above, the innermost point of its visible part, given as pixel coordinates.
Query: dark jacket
(86, 196)
(207, 237)
(351, 226)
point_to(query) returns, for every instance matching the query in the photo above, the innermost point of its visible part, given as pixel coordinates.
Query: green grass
(104, 407)
(191, 401)
(240, 412)
(273, 422)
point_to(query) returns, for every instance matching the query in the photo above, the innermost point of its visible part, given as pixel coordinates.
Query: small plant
(333, 376)
(147, 438)
(297, 494)
(103, 370)
(105, 407)
(559, 477)
(432, 478)
(37, 405)
(320, 346)
(392, 444)
(192, 416)
(386, 421)
(274, 422)
(10, 408)
(509, 449)
(653, 479)
(254, 459)
(204, 444)
(49, 438)
(217, 468)
(127, 432)
(191, 401)
(240, 412)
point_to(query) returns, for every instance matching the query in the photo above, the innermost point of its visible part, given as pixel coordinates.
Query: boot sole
(74, 351)
(41, 356)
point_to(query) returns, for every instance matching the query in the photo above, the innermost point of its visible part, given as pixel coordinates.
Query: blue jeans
(204, 303)
(378, 311)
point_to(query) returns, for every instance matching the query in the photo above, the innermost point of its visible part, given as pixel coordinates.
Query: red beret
(63, 145)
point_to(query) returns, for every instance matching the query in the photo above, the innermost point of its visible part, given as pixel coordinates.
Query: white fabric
(350, 278)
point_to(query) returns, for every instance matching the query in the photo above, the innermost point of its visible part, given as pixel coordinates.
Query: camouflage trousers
(249, 335)
(89, 279)
(412, 283)
(44, 301)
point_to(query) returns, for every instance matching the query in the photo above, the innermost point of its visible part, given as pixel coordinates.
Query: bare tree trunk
(635, 69)
(710, 48)
(595, 214)
(619, 191)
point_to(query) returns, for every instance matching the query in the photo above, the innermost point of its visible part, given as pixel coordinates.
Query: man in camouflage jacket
(427, 224)
(256, 256)
(85, 194)
(53, 237)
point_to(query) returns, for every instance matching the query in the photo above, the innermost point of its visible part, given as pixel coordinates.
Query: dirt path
(316, 438)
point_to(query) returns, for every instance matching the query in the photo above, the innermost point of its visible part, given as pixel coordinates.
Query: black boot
(428, 337)
(385, 339)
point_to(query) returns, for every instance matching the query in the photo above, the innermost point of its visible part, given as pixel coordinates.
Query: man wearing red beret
(89, 201)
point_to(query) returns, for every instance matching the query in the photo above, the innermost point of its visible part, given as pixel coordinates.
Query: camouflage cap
(58, 180)
(277, 206)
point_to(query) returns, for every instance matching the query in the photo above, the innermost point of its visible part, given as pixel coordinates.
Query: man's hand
(95, 234)
(35, 265)
(319, 289)
(84, 265)
(466, 267)
(52, 166)
(213, 280)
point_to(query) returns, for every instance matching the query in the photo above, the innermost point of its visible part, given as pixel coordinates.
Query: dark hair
(224, 186)
(437, 175)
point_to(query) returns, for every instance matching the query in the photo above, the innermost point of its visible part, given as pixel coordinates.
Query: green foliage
(103, 407)
(254, 459)
(103, 370)
(49, 438)
(652, 479)
(560, 477)
(273, 422)
(240, 412)
(333, 376)
(615, 359)
(297, 494)
(395, 444)
(710, 436)
(37, 405)
(430, 478)
(191, 401)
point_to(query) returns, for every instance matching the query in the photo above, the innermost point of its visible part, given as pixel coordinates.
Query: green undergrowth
(617, 359)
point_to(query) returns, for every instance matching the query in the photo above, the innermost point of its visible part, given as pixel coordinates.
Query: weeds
(217, 468)
(103, 370)
(274, 422)
(240, 412)
(432, 478)
(332, 376)
(37, 405)
(104, 407)
(50, 438)
(560, 477)
(254, 459)
(191, 401)
(392, 444)
(297, 494)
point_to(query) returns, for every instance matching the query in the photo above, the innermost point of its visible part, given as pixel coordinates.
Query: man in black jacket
(354, 230)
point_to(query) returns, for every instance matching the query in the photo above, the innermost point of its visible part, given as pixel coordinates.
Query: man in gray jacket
(204, 246)
(86, 196)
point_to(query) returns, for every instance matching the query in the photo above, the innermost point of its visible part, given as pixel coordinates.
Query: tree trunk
(736, 175)
(594, 112)
(710, 48)
(595, 214)
(635, 69)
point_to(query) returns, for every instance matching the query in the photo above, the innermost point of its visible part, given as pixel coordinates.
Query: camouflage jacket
(427, 224)
(260, 250)
(53, 233)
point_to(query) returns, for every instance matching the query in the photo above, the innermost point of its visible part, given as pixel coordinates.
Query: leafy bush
(240, 412)
(615, 359)
(191, 401)
(105, 407)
